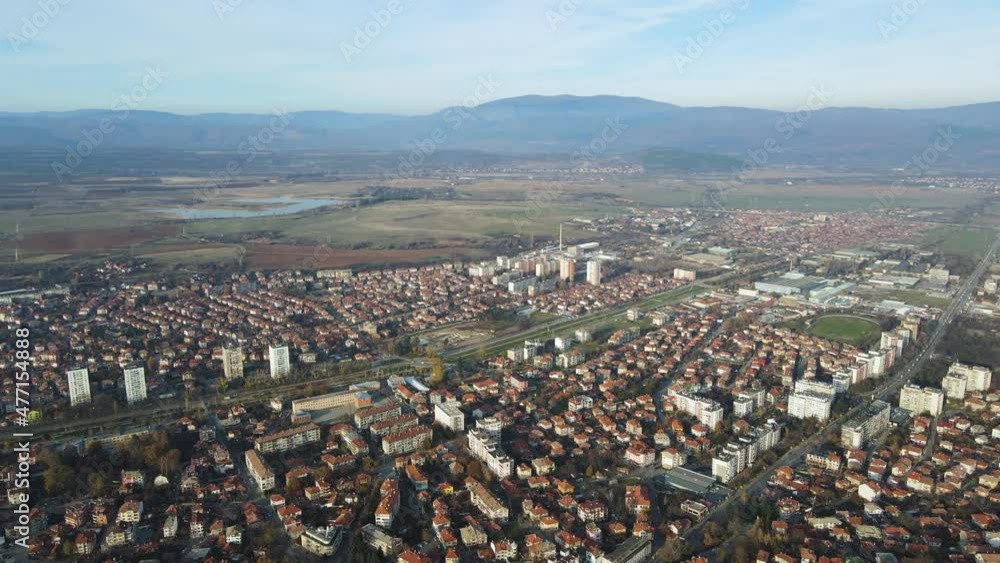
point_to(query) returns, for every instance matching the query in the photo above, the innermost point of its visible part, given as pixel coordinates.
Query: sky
(410, 57)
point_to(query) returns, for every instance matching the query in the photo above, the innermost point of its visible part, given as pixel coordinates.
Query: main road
(887, 390)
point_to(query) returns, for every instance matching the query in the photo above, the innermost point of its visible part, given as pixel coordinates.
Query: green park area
(856, 331)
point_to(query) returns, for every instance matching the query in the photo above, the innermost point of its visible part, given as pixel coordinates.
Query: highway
(885, 392)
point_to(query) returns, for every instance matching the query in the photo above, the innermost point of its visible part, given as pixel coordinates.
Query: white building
(742, 406)
(729, 462)
(563, 343)
(259, 470)
(484, 443)
(78, 381)
(232, 362)
(594, 272)
(978, 378)
(871, 421)
(955, 386)
(815, 387)
(450, 416)
(135, 383)
(278, 357)
(842, 381)
(707, 411)
(567, 269)
(918, 399)
(808, 404)
(672, 457)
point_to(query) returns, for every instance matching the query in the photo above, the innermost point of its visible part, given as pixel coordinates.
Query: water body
(281, 206)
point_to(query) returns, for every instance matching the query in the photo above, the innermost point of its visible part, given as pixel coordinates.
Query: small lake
(271, 206)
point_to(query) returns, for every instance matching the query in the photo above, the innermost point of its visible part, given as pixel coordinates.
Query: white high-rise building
(726, 463)
(594, 272)
(864, 425)
(450, 416)
(78, 381)
(918, 399)
(232, 362)
(281, 365)
(954, 386)
(567, 269)
(484, 443)
(808, 404)
(707, 411)
(815, 387)
(135, 383)
(977, 378)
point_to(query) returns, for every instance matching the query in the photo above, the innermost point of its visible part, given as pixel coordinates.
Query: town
(684, 384)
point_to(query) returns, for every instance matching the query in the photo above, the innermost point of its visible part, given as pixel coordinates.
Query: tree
(58, 479)
(293, 486)
(437, 371)
(170, 462)
(98, 484)
(713, 535)
(474, 469)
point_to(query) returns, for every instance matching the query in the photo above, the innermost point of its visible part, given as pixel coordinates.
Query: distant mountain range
(591, 128)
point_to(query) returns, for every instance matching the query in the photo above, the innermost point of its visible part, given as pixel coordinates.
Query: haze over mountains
(534, 125)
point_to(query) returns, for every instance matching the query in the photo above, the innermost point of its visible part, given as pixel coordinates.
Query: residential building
(259, 470)
(672, 457)
(726, 463)
(78, 382)
(978, 378)
(450, 416)
(707, 411)
(232, 362)
(379, 540)
(384, 411)
(281, 365)
(594, 272)
(484, 443)
(288, 439)
(407, 441)
(955, 386)
(864, 425)
(919, 400)
(567, 269)
(135, 383)
(322, 541)
(485, 501)
(388, 506)
(808, 404)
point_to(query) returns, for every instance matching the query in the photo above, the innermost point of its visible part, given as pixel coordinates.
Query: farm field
(971, 242)
(400, 224)
(121, 213)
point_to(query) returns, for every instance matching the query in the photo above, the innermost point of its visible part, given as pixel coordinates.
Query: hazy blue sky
(267, 54)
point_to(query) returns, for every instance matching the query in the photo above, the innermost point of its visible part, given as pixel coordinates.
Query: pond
(271, 206)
